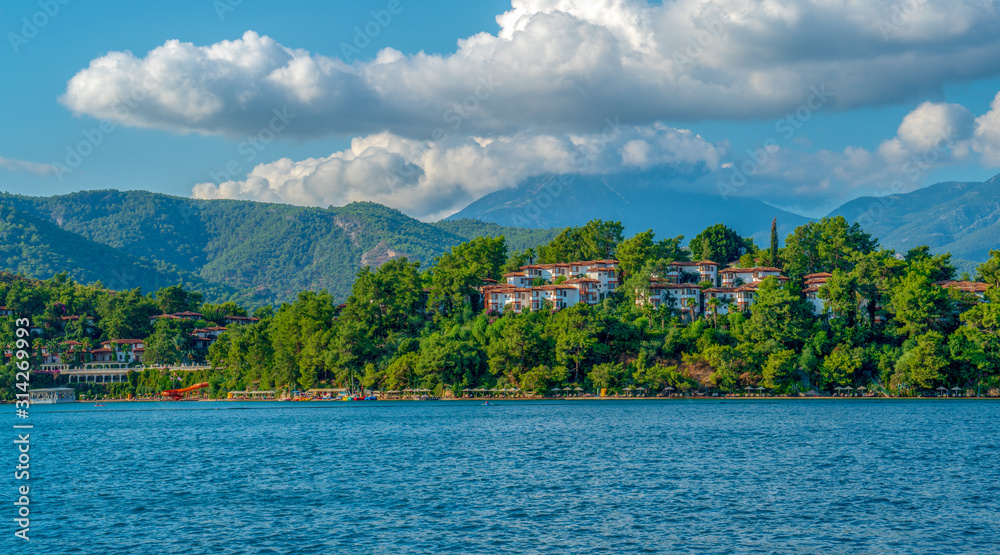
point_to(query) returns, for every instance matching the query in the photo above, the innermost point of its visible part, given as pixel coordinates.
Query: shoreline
(535, 399)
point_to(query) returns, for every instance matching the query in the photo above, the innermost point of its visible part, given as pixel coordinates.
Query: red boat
(178, 394)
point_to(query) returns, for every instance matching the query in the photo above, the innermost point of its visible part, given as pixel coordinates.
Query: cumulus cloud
(431, 180)
(987, 134)
(554, 64)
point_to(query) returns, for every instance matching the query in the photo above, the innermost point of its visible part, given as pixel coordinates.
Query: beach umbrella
(567, 389)
(668, 388)
(942, 389)
(578, 388)
(956, 390)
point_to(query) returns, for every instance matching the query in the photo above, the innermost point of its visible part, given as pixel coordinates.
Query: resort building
(586, 282)
(4, 311)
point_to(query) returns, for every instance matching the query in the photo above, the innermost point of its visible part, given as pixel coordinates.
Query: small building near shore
(52, 395)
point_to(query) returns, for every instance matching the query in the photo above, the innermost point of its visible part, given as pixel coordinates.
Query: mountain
(259, 253)
(640, 200)
(956, 217)
(518, 239)
(35, 247)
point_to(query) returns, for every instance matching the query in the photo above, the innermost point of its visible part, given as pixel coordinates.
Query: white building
(813, 283)
(734, 277)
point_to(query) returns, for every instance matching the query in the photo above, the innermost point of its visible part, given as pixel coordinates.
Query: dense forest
(889, 327)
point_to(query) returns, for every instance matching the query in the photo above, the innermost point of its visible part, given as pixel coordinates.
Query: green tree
(824, 246)
(720, 244)
(176, 299)
(595, 241)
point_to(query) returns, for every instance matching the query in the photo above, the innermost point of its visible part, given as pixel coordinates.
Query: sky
(428, 105)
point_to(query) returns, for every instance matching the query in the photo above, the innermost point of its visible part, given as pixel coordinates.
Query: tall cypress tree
(774, 242)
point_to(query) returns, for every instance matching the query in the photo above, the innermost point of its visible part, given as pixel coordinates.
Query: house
(120, 350)
(202, 338)
(188, 315)
(4, 311)
(517, 279)
(230, 319)
(154, 319)
(974, 287)
(678, 296)
(606, 277)
(703, 271)
(734, 277)
(588, 289)
(813, 283)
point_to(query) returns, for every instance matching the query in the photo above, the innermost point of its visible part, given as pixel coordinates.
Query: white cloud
(554, 64)
(15, 165)
(432, 180)
(987, 134)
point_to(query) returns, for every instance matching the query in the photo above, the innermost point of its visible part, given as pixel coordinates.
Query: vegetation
(250, 252)
(890, 328)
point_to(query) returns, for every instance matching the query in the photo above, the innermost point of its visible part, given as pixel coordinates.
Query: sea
(628, 476)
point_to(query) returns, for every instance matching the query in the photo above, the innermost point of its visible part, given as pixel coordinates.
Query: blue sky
(695, 83)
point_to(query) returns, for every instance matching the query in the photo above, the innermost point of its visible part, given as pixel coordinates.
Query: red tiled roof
(754, 269)
(967, 286)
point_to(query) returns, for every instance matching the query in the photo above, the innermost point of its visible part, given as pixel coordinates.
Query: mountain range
(956, 217)
(640, 200)
(256, 253)
(261, 253)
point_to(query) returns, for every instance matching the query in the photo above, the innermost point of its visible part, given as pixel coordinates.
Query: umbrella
(567, 389)
(556, 389)
(942, 389)
(956, 389)
(668, 388)
(862, 388)
(578, 388)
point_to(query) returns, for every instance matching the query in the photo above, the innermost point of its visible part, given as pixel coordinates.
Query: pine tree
(774, 242)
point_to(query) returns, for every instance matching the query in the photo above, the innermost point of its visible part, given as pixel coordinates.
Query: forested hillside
(262, 253)
(888, 324)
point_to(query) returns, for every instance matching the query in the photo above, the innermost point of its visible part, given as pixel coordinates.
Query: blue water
(784, 476)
